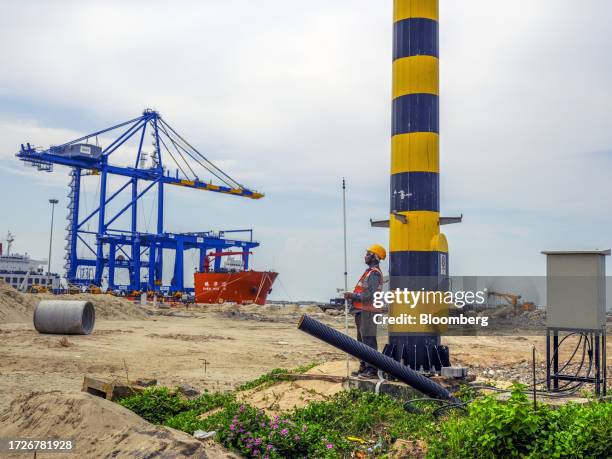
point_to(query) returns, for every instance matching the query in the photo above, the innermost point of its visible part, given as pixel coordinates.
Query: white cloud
(288, 97)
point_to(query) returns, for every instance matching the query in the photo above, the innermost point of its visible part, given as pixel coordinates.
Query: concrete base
(454, 372)
(401, 391)
(394, 389)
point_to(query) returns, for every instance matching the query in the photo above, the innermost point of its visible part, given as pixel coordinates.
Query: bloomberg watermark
(423, 299)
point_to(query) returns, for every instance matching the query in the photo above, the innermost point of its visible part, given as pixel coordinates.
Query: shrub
(576, 431)
(365, 414)
(156, 404)
(495, 428)
(254, 434)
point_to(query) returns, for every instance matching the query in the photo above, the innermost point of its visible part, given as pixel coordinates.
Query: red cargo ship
(231, 285)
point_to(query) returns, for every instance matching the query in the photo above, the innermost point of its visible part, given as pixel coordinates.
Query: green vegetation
(157, 404)
(354, 421)
(494, 429)
(274, 376)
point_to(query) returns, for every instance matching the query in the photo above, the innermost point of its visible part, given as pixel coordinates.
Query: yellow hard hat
(378, 250)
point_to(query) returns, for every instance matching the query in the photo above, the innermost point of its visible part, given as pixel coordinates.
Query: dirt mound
(286, 395)
(15, 306)
(98, 427)
(19, 307)
(108, 307)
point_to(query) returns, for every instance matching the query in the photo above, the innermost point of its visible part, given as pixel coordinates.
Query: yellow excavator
(515, 301)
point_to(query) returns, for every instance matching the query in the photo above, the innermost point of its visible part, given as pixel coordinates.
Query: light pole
(52, 202)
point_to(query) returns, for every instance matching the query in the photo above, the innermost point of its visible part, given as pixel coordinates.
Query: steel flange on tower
(418, 251)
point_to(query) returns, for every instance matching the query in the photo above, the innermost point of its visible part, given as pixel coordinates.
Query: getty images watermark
(441, 301)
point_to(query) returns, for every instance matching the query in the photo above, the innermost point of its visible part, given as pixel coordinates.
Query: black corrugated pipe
(361, 351)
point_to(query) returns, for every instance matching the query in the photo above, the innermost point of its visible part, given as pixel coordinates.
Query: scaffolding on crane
(132, 249)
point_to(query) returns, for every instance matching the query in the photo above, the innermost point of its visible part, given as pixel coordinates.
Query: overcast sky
(289, 97)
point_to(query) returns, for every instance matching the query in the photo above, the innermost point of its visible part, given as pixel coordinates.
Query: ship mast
(9, 242)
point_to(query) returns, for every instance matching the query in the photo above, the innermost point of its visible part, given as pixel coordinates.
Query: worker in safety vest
(362, 299)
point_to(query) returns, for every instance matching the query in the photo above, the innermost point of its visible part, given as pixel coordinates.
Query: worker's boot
(369, 372)
(362, 368)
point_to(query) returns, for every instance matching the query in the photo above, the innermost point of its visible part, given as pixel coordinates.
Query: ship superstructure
(24, 273)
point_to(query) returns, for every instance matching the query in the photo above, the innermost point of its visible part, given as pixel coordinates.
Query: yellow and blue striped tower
(418, 251)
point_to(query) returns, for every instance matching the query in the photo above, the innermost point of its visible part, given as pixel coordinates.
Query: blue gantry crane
(110, 248)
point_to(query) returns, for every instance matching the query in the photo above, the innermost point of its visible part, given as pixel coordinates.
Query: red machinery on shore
(232, 284)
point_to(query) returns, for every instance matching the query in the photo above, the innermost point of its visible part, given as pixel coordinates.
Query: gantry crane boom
(45, 159)
(134, 249)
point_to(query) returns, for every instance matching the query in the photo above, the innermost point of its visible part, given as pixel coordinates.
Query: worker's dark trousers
(366, 332)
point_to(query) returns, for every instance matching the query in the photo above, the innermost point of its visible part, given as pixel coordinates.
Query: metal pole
(533, 374)
(52, 202)
(346, 307)
(548, 359)
(597, 365)
(556, 360)
(604, 360)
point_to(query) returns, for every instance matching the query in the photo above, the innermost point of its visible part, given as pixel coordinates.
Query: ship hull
(243, 287)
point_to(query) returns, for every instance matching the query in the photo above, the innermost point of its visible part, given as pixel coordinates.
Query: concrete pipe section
(65, 317)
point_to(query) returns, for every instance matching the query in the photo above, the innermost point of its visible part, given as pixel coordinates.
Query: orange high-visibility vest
(367, 306)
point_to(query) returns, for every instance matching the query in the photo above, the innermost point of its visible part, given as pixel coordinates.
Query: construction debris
(109, 389)
(188, 391)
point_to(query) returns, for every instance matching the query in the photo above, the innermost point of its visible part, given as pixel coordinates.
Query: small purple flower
(284, 432)
(329, 446)
(258, 441)
(269, 447)
(304, 428)
(275, 426)
(241, 409)
(232, 426)
(296, 437)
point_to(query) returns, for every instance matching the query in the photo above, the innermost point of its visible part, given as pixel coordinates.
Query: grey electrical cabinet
(576, 289)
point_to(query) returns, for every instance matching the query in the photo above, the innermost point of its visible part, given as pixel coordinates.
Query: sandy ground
(209, 350)
(284, 395)
(75, 416)
(214, 348)
(19, 307)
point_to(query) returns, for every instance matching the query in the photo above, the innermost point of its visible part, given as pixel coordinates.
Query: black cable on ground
(565, 390)
(444, 405)
(449, 406)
